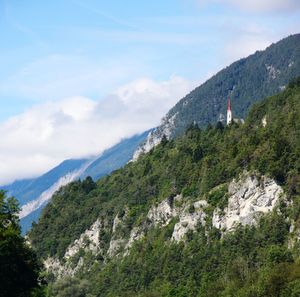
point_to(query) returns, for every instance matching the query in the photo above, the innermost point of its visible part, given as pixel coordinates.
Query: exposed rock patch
(250, 197)
(273, 72)
(89, 240)
(189, 215)
(162, 214)
(60, 269)
(115, 246)
(189, 220)
(156, 135)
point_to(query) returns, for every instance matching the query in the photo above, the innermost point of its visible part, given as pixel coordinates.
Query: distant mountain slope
(34, 194)
(114, 157)
(246, 81)
(27, 190)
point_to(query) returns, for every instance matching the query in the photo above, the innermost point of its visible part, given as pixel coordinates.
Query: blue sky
(53, 51)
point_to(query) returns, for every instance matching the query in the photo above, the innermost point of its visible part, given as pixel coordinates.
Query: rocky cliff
(249, 197)
(215, 212)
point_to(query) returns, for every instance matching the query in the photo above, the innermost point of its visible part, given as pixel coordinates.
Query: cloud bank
(48, 133)
(266, 5)
(261, 6)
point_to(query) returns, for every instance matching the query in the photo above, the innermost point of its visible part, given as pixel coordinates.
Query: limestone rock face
(115, 246)
(189, 215)
(89, 240)
(136, 234)
(162, 214)
(273, 72)
(61, 270)
(249, 197)
(294, 231)
(117, 222)
(117, 241)
(189, 220)
(155, 136)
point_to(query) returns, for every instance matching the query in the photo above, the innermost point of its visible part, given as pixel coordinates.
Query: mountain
(214, 212)
(34, 194)
(26, 190)
(114, 158)
(246, 81)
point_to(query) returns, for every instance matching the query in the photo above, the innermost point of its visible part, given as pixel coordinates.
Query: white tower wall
(229, 117)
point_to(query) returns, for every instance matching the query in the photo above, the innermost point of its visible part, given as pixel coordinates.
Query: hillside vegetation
(246, 81)
(253, 261)
(19, 266)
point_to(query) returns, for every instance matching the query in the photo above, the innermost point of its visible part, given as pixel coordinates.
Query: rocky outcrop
(161, 214)
(89, 240)
(61, 269)
(117, 242)
(264, 121)
(294, 238)
(115, 246)
(156, 135)
(136, 233)
(249, 198)
(191, 217)
(272, 71)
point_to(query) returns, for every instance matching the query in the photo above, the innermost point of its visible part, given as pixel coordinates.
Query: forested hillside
(258, 259)
(246, 81)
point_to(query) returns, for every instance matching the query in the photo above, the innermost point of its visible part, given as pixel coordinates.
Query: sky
(77, 76)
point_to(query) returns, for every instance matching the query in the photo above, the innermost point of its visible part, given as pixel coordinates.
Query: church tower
(229, 114)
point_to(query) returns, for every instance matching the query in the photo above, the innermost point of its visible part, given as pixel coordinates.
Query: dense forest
(246, 81)
(253, 261)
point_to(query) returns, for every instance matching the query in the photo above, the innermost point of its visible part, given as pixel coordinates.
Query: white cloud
(58, 76)
(264, 6)
(48, 133)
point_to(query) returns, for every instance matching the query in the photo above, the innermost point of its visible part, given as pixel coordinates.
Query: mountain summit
(246, 81)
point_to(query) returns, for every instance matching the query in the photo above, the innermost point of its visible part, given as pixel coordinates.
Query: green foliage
(249, 262)
(19, 268)
(175, 168)
(246, 81)
(200, 164)
(70, 287)
(218, 196)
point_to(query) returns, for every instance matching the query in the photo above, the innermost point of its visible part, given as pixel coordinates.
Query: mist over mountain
(34, 194)
(150, 148)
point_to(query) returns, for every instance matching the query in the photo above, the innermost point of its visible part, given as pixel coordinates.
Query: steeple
(229, 114)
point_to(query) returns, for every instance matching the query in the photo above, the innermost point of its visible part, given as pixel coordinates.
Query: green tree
(19, 268)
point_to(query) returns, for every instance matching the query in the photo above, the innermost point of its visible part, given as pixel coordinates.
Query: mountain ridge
(178, 206)
(246, 81)
(34, 194)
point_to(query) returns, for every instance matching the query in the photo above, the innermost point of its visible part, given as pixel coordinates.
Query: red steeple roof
(228, 105)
